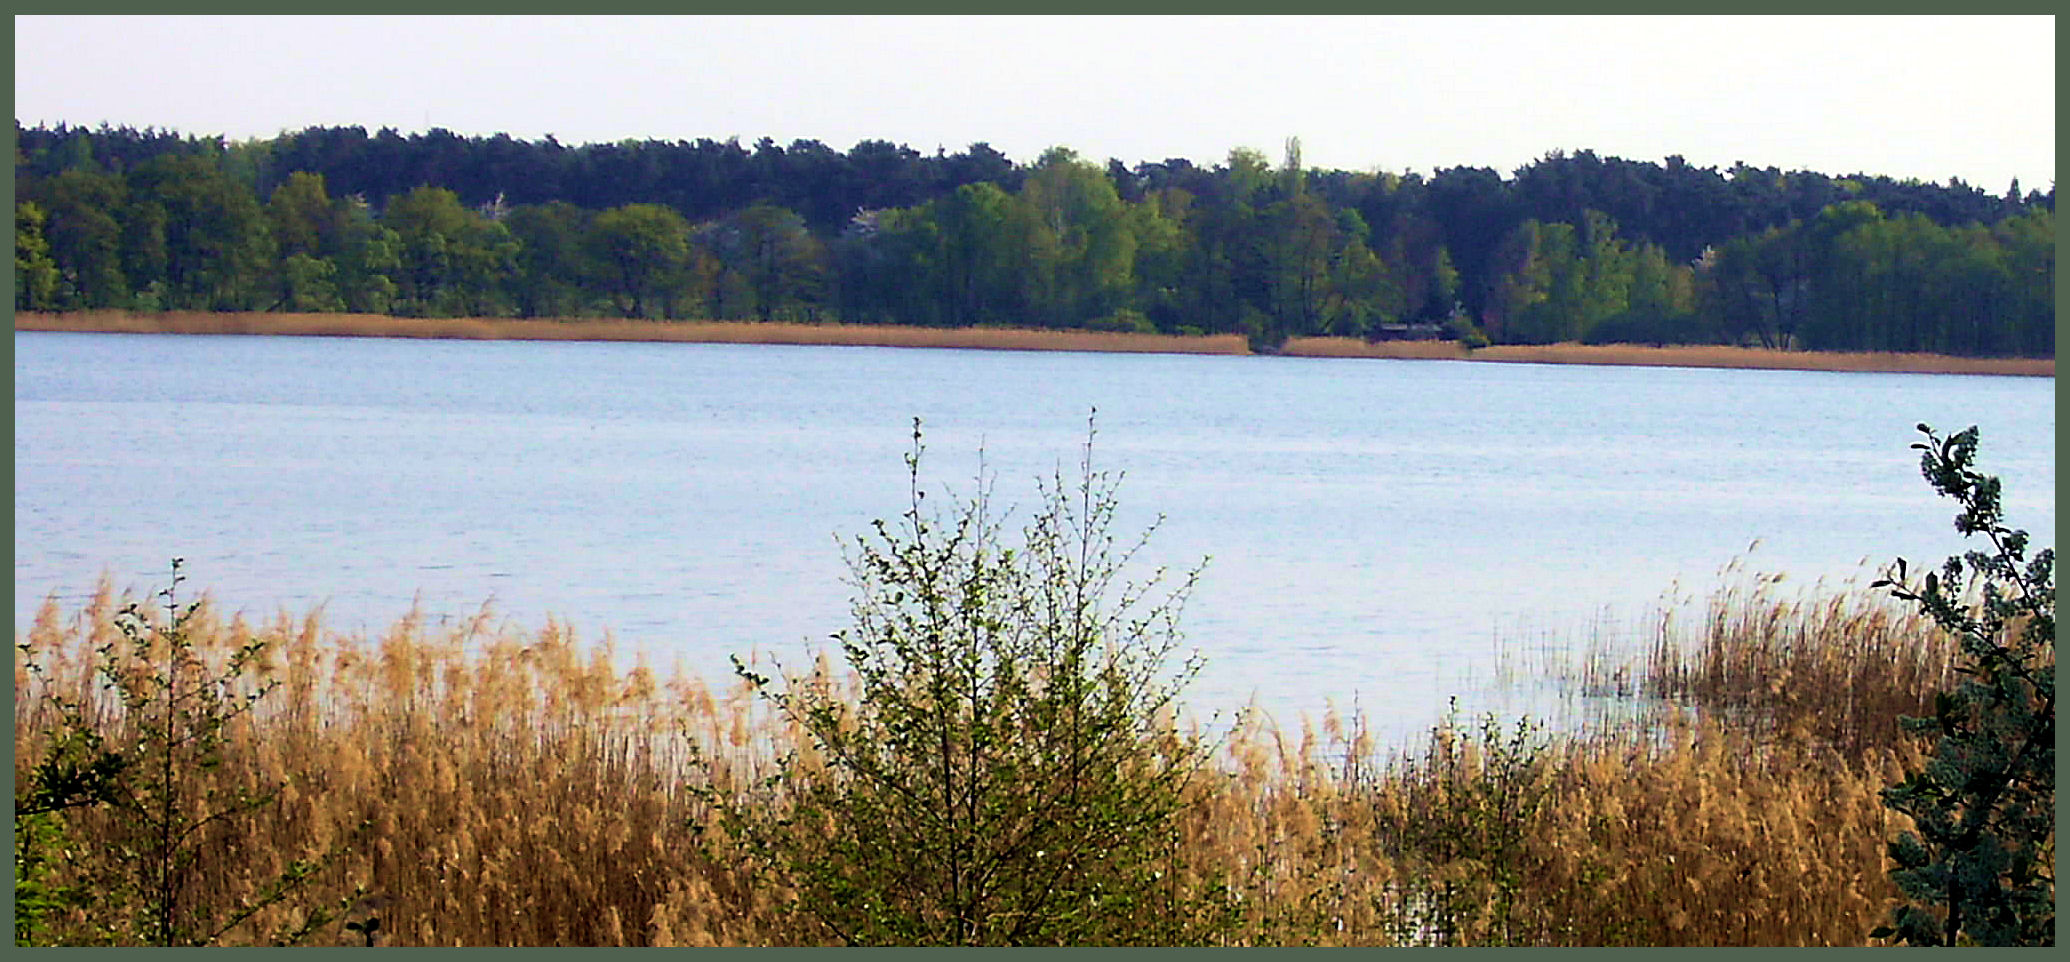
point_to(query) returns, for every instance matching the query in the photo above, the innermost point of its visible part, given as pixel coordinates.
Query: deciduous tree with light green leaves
(553, 269)
(35, 274)
(454, 261)
(218, 246)
(1006, 771)
(777, 267)
(639, 251)
(83, 227)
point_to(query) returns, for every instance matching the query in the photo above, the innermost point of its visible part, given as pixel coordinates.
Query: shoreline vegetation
(475, 785)
(991, 338)
(1007, 759)
(1570, 248)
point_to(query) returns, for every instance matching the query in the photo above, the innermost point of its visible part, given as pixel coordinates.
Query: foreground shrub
(134, 756)
(1460, 816)
(1980, 867)
(1003, 768)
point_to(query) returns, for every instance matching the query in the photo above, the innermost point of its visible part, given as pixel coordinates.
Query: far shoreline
(1021, 339)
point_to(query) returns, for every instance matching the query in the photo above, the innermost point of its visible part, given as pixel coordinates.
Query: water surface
(1385, 532)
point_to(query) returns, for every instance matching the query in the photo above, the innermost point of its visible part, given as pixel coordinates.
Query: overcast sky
(1972, 97)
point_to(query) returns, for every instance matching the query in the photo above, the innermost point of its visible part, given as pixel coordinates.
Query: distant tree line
(1571, 247)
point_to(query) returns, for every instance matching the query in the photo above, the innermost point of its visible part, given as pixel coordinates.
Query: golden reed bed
(611, 329)
(865, 335)
(495, 785)
(1680, 356)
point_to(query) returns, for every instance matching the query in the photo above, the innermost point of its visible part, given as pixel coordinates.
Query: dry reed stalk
(1708, 839)
(516, 794)
(1727, 840)
(1839, 669)
(1280, 823)
(497, 787)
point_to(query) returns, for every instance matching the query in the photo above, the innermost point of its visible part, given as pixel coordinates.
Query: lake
(1384, 533)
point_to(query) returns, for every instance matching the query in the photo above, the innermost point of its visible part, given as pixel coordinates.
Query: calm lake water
(1384, 533)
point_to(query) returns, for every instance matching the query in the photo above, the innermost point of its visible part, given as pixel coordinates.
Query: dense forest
(1572, 247)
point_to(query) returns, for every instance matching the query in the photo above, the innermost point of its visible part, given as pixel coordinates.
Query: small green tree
(1980, 867)
(1471, 802)
(173, 723)
(76, 771)
(1007, 771)
(311, 285)
(35, 274)
(638, 249)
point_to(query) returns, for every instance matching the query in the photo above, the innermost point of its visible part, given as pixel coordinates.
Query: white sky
(1925, 97)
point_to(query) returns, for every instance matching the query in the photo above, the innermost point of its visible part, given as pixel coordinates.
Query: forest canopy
(1572, 247)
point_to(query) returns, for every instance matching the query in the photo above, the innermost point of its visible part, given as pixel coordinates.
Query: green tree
(454, 261)
(1843, 314)
(640, 250)
(484, 259)
(1320, 275)
(1444, 285)
(306, 233)
(780, 267)
(1540, 285)
(1756, 288)
(1979, 866)
(369, 255)
(1162, 241)
(1971, 278)
(973, 271)
(1361, 294)
(1607, 282)
(886, 263)
(218, 248)
(1300, 237)
(2030, 279)
(302, 216)
(310, 285)
(1249, 174)
(84, 230)
(144, 775)
(1080, 253)
(552, 266)
(1007, 772)
(1227, 276)
(35, 274)
(1660, 304)
(145, 260)
(1557, 282)
(424, 221)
